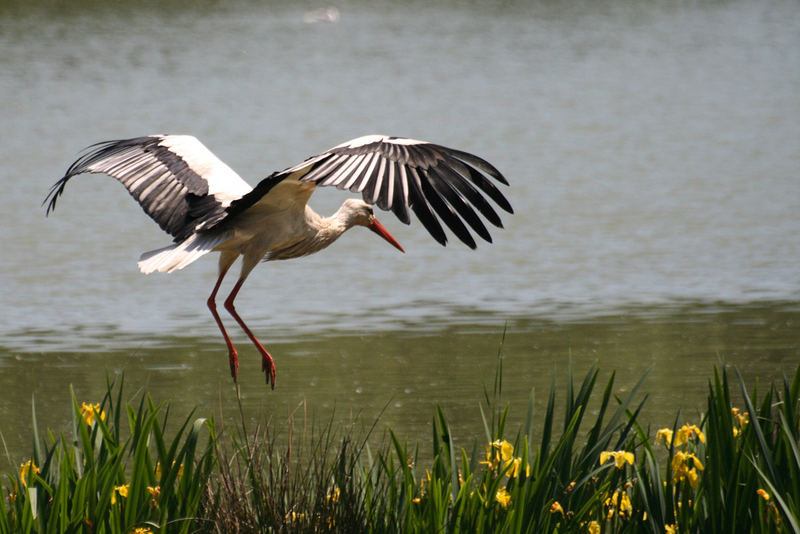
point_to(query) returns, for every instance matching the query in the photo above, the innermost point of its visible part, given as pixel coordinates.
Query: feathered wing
(187, 190)
(399, 174)
(178, 182)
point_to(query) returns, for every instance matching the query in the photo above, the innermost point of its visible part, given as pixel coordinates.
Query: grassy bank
(126, 467)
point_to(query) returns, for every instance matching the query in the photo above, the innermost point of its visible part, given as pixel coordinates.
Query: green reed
(117, 472)
(735, 469)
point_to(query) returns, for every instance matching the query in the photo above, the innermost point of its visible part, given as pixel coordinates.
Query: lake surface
(653, 152)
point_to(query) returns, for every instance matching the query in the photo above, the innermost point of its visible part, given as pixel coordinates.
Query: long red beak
(378, 228)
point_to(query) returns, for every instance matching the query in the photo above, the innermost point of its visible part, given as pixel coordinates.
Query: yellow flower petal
(697, 463)
(687, 432)
(621, 502)
(666, 435)
(700, 435)
(681, 436)
(620, 457)
(25, 469)
(624, 457)
(90, 411)
(506, 451)
(693, 478)
(503, 497)
(516, 463)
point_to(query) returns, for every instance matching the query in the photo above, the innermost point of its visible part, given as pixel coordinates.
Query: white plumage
(207, 207)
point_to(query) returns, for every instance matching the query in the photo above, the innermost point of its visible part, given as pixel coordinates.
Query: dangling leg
(267, 363)
(226, 259)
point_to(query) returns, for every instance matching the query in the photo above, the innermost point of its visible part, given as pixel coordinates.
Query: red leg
(212, 305)
(267, 364)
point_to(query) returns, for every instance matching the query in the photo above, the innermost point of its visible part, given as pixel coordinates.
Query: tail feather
(180, 255)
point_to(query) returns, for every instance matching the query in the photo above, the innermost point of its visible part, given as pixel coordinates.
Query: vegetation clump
(735, 469)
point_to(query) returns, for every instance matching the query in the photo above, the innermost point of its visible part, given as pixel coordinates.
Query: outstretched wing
(396, 174)
(178, 182)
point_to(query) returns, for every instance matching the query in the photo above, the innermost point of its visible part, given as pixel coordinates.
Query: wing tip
(55, 191)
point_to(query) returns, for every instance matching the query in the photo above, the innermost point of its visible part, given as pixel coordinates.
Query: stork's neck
(319, 233)
(329, 229)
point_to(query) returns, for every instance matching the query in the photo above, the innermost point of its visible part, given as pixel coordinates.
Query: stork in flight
(207, 207)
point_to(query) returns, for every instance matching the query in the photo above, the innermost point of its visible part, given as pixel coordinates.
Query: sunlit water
(654, 159)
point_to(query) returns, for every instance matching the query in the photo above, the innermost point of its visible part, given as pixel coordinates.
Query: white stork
(207, 207)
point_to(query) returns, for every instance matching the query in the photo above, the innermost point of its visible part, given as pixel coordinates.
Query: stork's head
(359, 212)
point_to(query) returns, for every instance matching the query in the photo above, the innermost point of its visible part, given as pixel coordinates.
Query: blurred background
(653, 152)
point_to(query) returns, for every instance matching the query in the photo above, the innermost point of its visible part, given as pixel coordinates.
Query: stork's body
(207, 207)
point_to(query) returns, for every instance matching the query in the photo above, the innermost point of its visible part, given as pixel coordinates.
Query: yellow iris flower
(122, 490)
(503, 497)
(620, 457)
(91, 411)
(687, 432)
(498, 451)
(500, 454)
(619, 500)
(682, 435)
(26, 469)
(666, 435)
(682, 471)
(516, 467)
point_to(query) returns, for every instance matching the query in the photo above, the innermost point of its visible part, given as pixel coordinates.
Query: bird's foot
(268, 366)
(234, 361)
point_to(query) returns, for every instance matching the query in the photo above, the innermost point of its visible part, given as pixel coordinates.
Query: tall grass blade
(756, 426)
(789, 514)
(37, 444)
